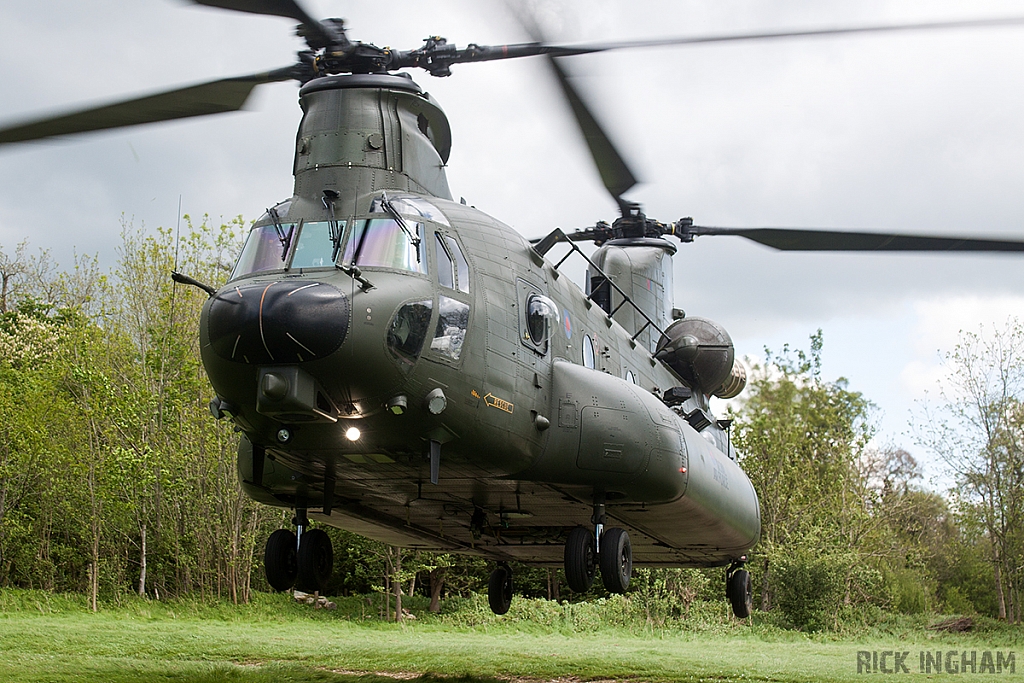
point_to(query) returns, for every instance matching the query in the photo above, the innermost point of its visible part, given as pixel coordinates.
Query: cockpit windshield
(266, 248)
(386, 243)
(315, 248)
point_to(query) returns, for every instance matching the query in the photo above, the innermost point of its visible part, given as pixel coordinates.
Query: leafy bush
(809, 588)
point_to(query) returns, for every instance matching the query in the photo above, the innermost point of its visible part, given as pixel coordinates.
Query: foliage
(978, 430)
(801, 439)
(115, 482)
(810, 588)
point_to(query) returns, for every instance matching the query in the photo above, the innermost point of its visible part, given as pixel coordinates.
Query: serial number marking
(499, 403)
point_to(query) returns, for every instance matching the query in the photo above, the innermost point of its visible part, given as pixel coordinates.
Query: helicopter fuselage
(406, 367)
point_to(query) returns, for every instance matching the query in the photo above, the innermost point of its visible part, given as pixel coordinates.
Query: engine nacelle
(701, 352)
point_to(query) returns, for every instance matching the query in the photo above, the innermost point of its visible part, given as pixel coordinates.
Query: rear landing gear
(304, 560)
(499, 589)
(739, 590)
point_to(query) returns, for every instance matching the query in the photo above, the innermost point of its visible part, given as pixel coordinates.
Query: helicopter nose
(278, 322)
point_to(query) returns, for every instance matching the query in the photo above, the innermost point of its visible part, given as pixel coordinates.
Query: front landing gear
(580, 559)
(739, 590)
(304, 560)
(499, 589)
(316, 561)
(280, 560)
(616, 560)
(609, 548)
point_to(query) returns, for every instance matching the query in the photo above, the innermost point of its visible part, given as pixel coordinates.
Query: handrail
(543, 246)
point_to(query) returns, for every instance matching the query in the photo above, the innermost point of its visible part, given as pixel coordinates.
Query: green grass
(55, 638)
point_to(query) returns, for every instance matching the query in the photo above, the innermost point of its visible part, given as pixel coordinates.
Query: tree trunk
(997, 572)
(436, 586)
(142, 563)
(553, 585)
(766, 603)
(398, 584)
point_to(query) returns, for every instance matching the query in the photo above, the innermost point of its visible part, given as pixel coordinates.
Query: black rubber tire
(741, 593)
(316, 561)
(499, 589)
(280, 561)
(616, 560)
(580, 560)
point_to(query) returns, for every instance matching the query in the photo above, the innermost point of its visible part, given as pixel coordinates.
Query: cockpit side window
(445, 265)
(462, 267)
(266, 249)
(452, 323)
(408, 330)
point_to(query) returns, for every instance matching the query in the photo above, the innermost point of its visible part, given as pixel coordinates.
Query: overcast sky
(914, 132)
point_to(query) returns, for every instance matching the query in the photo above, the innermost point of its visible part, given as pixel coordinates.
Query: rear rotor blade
(795, 239)
(315, 33)
(213, 97)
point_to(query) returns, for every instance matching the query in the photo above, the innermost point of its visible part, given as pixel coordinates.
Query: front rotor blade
(214, 97)
(290, 9)
(615, 173)
(794, 239)
(483, 53)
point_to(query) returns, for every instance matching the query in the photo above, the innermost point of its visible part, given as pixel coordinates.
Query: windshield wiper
(393, 212)
(332, 223)
(286, 240)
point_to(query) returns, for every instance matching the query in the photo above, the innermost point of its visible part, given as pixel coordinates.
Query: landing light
(352, 434)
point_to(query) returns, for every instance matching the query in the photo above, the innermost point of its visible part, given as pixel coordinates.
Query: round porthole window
(541, 314)
(588, 352)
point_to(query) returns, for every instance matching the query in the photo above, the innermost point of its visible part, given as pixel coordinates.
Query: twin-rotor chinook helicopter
(406, 367)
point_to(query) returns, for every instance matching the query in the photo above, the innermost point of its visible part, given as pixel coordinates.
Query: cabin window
(314, 248)
(445, 266)
(266, 248)
(452, 323)
(409, 328)
(386, 243)
(588, 352)
(541, 314)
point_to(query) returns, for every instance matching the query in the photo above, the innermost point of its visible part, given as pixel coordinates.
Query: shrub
(809, 588)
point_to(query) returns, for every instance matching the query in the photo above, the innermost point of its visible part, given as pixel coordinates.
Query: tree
(800, 439)
(978, 431)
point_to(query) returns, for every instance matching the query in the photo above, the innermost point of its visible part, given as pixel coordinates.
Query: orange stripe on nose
(262, 338)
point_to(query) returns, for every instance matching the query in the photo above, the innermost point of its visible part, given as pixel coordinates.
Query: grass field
(54, 638)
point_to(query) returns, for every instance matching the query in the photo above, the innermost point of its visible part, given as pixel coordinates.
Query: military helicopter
(404, 366)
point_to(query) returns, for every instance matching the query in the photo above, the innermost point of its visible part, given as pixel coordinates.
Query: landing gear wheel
(499, 589)
(741, 593)
(580, 559)
(280, 561)
(316, 561)
(616, 560)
